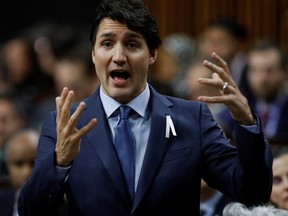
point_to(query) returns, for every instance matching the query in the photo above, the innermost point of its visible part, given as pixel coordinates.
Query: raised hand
(230, 94)
(68, 136)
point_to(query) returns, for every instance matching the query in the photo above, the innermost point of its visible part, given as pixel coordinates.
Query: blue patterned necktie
(124, 144)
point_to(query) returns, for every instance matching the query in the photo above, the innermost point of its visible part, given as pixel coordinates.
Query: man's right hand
(68, 136)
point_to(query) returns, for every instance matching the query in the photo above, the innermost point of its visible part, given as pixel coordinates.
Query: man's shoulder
(88, 101)
(182, 103)
(175, 100)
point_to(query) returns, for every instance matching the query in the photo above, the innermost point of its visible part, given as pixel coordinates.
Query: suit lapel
(101, 139)
(157, 144)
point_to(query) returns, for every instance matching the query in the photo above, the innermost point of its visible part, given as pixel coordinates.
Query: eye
(21, 163)
(132, 45)
(277, 180)
(107, 44)
(18, 163)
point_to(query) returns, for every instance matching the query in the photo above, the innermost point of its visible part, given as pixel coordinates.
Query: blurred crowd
(37, 63)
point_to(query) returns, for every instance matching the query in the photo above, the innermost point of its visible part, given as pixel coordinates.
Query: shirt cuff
(255, 128)
(62, 173)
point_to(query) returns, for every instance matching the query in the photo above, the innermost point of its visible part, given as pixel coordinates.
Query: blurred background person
(174, 57)
(228, 38)
(27, 81)
(267, 76)
(4, 87)
(194, 89)
(266, 92)
(46, 36)
(212, 202)
(22, 69)
(20, 151)
(12, 119)
(279, 195)
(74, 69)
(49, 37)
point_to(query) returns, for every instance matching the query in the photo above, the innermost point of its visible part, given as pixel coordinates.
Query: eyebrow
(133, 34)
(127, 34)
(107, 34)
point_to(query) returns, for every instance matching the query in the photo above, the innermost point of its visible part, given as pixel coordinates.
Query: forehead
(269, 55)
(280, 165)
(113, 28)
(217, 32)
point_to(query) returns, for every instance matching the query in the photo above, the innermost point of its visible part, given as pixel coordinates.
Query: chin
(121, 95)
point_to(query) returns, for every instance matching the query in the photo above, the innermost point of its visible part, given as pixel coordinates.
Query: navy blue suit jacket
(169, 182)
(7, 201)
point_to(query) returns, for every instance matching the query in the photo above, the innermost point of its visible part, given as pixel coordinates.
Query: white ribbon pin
(169, 126)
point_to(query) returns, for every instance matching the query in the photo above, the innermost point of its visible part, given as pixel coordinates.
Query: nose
(119, 54)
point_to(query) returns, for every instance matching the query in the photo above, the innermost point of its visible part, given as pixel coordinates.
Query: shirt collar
(209, 204)
(139, 103)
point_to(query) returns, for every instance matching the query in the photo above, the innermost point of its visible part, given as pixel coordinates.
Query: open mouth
(120, 75)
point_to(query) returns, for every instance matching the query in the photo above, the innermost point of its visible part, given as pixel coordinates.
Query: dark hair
(234, 28)
(278, 151)
(133, 13)
(264, 45)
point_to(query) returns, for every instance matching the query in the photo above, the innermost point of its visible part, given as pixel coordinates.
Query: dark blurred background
(262, 18)
(16, 15)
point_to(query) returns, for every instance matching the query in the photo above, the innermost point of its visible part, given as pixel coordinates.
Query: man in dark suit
(175, 142)
(266, 90)
(7, 204)
(20, 151)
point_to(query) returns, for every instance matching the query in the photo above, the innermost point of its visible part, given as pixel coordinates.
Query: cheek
(275, 194)
(253, 79)
(14, 172)
(100, 58)
(140, 66)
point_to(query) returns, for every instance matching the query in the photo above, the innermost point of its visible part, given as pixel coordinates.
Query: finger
(216, 83)
(65, 111)
(62, 97)
(81, 132)
(215, 99)
(216, 69)
(75, 116)
(221, 68)
(223, 64)
(59, 103)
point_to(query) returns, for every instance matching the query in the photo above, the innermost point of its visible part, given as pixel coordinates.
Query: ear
(93, 56)
(153, 56)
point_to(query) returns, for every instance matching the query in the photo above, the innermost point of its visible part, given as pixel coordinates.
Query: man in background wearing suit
(174, 142)
(21, 150)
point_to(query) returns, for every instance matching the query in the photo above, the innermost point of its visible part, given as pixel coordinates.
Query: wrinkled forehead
(114, 28)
